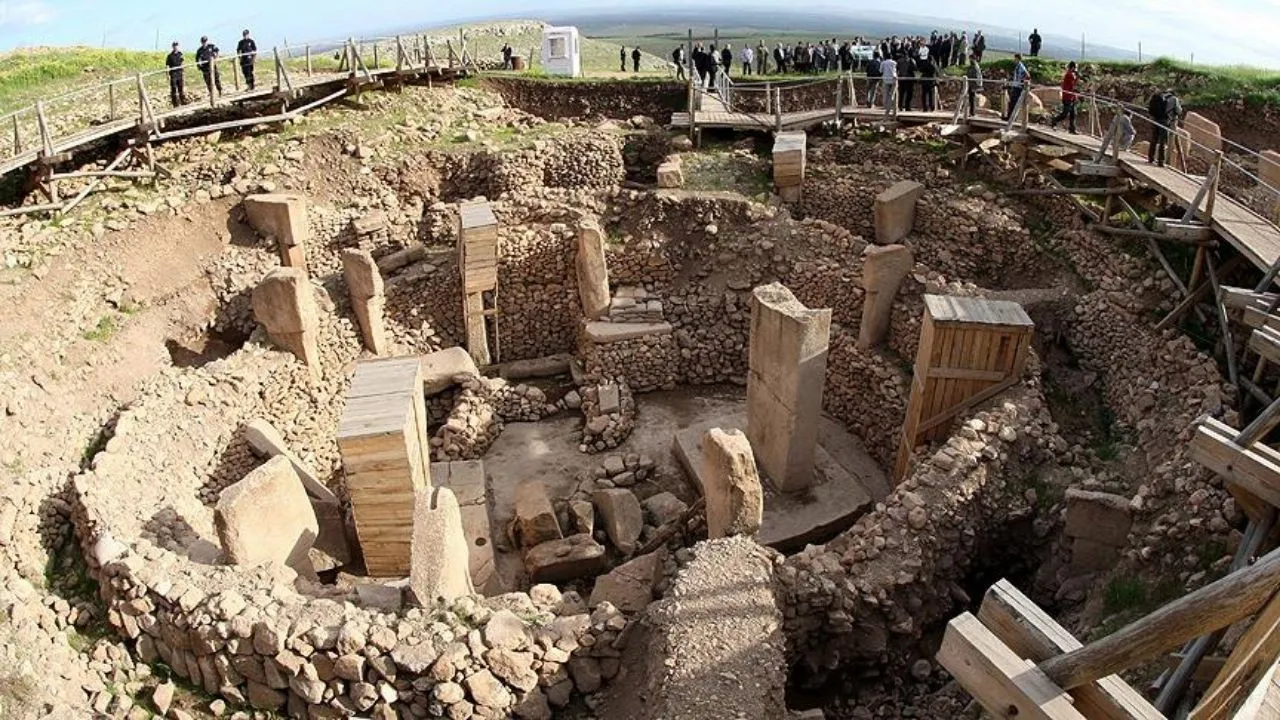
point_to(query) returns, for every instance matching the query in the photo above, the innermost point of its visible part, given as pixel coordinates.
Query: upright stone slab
(440, 368)
(1206, 136)
(883, 270)
(593, 271)
(284, 304)
(383, 440)
(441, 564)
(730, 484)
(466, 479)
(267, 517)
(364, 284)
(1269, 174)
(895, 211)
(788, 367)
(283, 217)
(535, 518)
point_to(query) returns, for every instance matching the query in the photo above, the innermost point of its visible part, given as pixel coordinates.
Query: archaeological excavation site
(517, 398)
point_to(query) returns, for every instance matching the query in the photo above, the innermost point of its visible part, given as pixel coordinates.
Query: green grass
(29, 74)
(106, 329)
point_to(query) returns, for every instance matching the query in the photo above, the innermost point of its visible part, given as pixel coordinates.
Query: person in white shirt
(889, 77)
(748, 57)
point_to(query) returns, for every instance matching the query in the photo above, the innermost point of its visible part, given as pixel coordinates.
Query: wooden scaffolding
(478, 262)
(971, 349)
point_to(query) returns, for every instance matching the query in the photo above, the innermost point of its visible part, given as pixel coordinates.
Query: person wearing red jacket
(1069, 98)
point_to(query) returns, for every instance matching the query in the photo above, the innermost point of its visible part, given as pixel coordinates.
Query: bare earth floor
(849, 479)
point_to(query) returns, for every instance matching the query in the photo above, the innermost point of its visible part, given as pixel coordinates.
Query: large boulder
(629, 587)
(267, 517)
(621, 517)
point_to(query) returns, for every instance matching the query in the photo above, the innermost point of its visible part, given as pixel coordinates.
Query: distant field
(33, 73)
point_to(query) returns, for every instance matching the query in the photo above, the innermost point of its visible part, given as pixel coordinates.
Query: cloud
(24, 13)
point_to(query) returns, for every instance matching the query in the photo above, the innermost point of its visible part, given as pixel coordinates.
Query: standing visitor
(622, 59)
(177, 89)
(889, 80)
(677, 57)
(762, 58)
(779, 60)
(635, 60)
(873, 78)
(962, 49)
(1069, 97)
(726, 58)
(247, 51)
(979, 44)
(206, 60)
(1034, 39)
(974, 74)
(1164, 109)
(928, 83)
(907, 71)
(1016, 84)
(748, 59)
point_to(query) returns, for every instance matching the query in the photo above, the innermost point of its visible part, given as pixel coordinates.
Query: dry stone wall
(552, 100)
(864, 599)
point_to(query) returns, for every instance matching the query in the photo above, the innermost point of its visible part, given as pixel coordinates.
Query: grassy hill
(31, 73)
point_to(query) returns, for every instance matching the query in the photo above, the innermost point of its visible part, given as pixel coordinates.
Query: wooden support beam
(1194, 231)
(1206, 670)
(1247, 665)
(1199, 292)
(1085, 209)
(46, 139)
(1214, 606)
(1089, 168)
(27, 209)
(1255, 469)
(1228, 343)
(1255, 318)
(1033, 634)
(1134, 233)
(1071, 191)
(997, 678)
(1266, 342)
(108, 172)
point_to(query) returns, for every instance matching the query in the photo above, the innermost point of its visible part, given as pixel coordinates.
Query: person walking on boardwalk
(907, 71)
(1016, 84)
(1069, 97)
(1035, 41)
(635, 60)
(677, 58)
(206, 60)
(1164, 109)
(928, 83)
(889, 79)
(177, 90)
(247, 51)
(974, 74)
(726, 58)
(873, 78)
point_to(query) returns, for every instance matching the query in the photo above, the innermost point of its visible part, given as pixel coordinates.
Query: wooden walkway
(325, 86)
(1255, 237)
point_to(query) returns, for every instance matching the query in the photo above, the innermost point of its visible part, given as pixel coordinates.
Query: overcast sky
(1217, 31)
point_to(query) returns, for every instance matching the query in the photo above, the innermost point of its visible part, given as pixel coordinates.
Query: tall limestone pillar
(788, 368)
(883, 270)
(593, 272)
(283, 217)
(284, 304)
(364, 283)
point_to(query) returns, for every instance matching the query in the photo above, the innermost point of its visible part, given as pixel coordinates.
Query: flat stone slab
(548, 366)
(607, 332)
(846, 483)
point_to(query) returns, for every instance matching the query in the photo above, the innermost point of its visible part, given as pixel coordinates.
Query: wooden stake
(111, 100)
(1213, 190)
(17, 136)
(308, 49)
(1200, 289)
(46, 140)
(1213, 606)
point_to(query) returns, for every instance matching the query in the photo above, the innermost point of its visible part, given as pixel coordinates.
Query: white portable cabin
(562, 51)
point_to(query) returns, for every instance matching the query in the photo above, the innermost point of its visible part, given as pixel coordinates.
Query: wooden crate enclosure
(971, 349)
(478, 262)
(385, 453)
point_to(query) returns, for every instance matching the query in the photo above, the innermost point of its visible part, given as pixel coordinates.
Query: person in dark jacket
(928, 83)
(726, 58)
(177, 90)
(907, 80)
(1035, 41)
(1164, 109)
(247, 51)
(622, 59)
(635, 60)
(677, 57)
(206, 60)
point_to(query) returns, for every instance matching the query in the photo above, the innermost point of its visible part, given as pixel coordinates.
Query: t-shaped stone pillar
(283, 217)
(788, 367)
(593, 272)
(883, 270)
(730, 484)
(895, 211)
(364, 283)
(283, 302)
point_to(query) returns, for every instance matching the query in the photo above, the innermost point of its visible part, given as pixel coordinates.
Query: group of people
(905, 63)
(207, 62)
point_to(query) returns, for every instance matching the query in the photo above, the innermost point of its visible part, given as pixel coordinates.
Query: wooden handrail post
(375, 55)
(308, 50)
(46, 140)
(839, 101)
(1213, 188)
(111, 100)
(17, 136)
(777, 110)
(235, 72)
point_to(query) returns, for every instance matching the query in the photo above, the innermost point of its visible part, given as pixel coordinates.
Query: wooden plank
(1212, 607)
(1256, 318)
(1256, 469)
(1247, 665)
(966, 374)
(997, 678)
(1266, 342)
(1181, 230)
(1089, 168)
(1033, 634)
(1263, 702)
